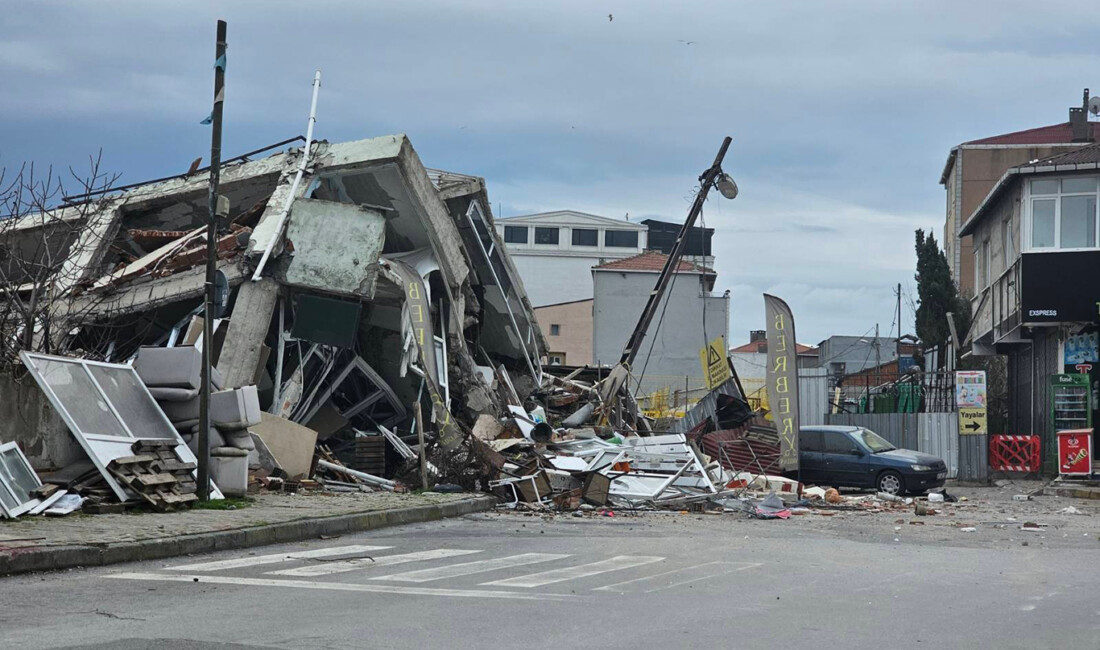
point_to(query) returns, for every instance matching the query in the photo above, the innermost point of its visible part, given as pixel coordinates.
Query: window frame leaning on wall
(103, 447)
(12, 460)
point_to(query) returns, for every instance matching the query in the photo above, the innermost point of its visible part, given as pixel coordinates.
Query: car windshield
(874, 441)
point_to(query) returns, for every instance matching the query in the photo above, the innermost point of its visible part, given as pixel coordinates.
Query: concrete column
(248, 325)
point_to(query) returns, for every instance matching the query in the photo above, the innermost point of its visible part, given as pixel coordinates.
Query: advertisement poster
(970, 388)
(1081, 348)
(1075, 452)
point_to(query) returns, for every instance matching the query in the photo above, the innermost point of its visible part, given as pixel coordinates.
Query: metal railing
(1006, 301)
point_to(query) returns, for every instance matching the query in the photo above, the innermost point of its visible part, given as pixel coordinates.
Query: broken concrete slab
(347, 264)
(244, 341)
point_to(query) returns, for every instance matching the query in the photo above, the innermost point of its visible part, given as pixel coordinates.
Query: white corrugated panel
(938, 434)
(813, 395)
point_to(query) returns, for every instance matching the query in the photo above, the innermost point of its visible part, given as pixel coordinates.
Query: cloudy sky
(842, 113)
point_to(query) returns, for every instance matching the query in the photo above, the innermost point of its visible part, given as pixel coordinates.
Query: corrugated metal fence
(813, 395)
(931, 433)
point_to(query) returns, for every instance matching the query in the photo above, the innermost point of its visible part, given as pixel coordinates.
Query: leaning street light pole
(211, 265)
(713, 176)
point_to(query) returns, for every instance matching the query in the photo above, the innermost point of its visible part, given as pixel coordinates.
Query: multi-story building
(567, 327)
(974, 167)
(846, 355)
(662, 237)
(555, 251)
(687, 318)
(1037, 289)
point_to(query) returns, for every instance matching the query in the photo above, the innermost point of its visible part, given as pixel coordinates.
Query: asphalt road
(491, 581)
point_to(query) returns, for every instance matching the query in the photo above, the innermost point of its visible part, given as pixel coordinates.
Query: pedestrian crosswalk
(366, 568)
(343, 566)
(276, 558)
(470, 568)
(574, 572)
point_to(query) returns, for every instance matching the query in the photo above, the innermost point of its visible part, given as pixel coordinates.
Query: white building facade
(554, 252)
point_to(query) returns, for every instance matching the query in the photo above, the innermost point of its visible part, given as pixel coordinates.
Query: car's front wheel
(891, 482)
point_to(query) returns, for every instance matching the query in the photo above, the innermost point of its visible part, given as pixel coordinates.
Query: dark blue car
(846, 456)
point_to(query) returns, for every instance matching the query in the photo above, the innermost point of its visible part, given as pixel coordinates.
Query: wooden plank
(154, 445)
(132, 460)
(171, 466)
(151, 480)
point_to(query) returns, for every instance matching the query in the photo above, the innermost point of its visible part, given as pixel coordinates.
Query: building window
(1063, 212)
(546, 236)
(515, 234)
(620, 238)
(981, 264)
(555, 330)
(1008, 247)
(555, 358)
(585, 237)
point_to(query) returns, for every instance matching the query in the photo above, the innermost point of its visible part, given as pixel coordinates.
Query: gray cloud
(842, 112)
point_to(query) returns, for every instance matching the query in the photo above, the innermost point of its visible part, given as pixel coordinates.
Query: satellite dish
(1094, 105)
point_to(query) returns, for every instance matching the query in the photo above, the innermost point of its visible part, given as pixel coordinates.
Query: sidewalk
(49, 544)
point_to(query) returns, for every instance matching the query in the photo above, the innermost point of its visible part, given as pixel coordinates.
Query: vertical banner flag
(783, 379)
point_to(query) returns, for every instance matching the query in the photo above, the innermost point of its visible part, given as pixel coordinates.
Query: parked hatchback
(846, 456)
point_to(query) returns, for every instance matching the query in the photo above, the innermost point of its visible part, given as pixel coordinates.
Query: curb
(70, 557)
(1075, 493)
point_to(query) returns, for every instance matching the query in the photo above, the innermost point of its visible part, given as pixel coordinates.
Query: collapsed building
(370, 332)
(361, 286)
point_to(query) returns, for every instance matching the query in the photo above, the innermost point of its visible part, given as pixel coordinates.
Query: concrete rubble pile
(369, 311)
(555, 451)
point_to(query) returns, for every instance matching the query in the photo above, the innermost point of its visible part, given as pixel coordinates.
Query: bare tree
(40, 235)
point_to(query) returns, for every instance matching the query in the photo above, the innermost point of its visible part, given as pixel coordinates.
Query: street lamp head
(726, 186)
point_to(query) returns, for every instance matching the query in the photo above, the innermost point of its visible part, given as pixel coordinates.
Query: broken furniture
(229, 470)
(173, 373)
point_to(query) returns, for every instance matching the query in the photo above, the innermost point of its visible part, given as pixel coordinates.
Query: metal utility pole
(897, 344)
(211, 265)
(878, 355)
(707, 180)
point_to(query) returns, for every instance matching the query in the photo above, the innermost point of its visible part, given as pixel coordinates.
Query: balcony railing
(1006, 302)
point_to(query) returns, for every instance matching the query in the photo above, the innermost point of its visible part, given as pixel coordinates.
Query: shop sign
(970, 397)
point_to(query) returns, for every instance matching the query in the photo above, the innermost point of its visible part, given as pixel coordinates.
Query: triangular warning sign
(712, 356)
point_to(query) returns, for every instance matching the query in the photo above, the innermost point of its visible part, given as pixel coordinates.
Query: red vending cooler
(1075, 452)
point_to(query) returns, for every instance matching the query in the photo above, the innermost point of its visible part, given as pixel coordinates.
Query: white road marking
(574, 572)
(343, 566)
(705, 571)
(469, 568)
(337, 586)
(275, 558)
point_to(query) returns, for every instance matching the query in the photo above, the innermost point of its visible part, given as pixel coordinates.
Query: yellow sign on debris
(716, 370)
(972, 422)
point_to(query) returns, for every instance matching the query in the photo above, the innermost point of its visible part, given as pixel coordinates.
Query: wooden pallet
(369, 455)
(157, 474)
